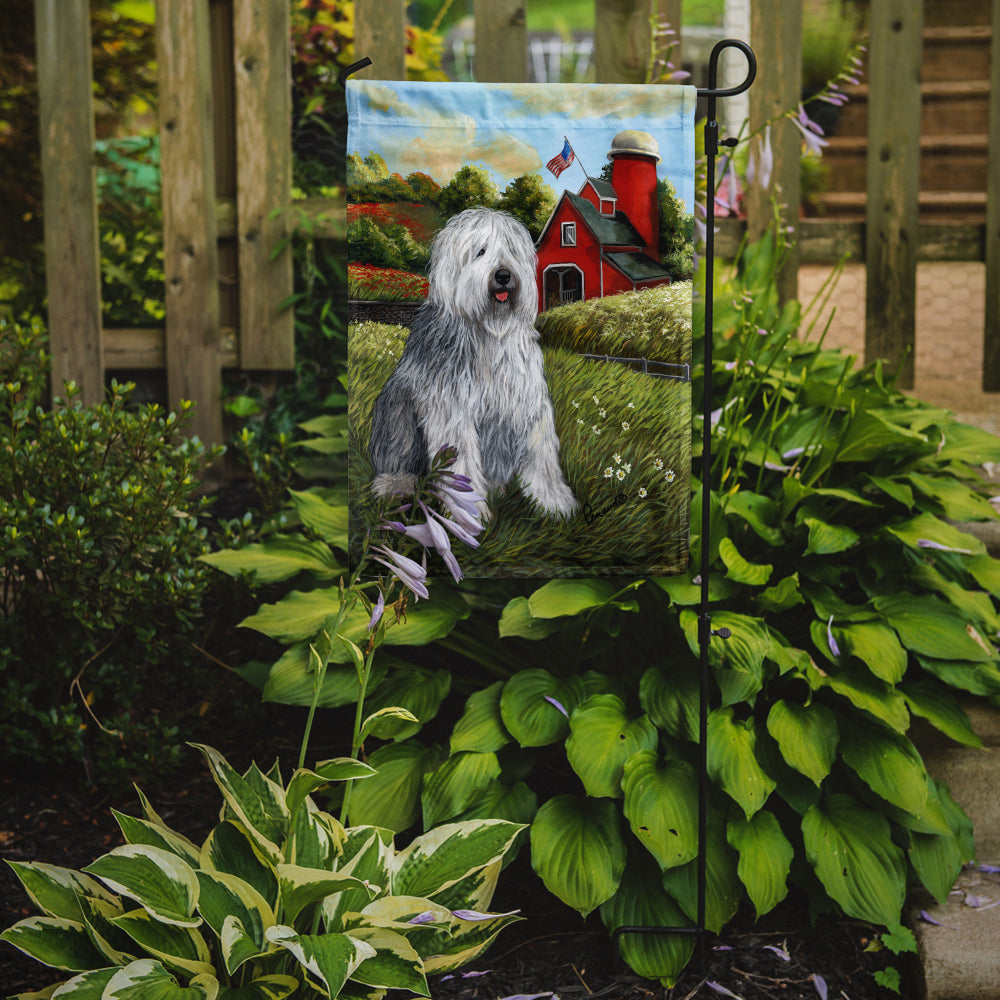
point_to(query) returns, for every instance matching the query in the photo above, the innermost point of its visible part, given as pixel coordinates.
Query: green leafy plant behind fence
(854, 603)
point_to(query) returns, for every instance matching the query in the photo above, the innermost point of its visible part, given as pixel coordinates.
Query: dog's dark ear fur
(397, 443)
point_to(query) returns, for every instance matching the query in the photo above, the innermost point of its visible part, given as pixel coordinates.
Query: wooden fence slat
(501, 39)
(991, 332)
(190, 251)
(892, 215)
(72, 256)
(776, 36)
(261, 56)
(622, 40)
(380, 34)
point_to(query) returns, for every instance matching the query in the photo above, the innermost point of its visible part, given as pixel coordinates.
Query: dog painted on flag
(471, 375)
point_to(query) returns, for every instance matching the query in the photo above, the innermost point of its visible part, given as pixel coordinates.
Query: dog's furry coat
(471, 375)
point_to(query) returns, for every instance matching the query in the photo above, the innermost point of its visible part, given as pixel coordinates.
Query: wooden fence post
(261, 56)
(622, 40)
(776, 35)
(991, 332)
(501, 41)
(72, 255)
(380, 34)
(190, 251)
(893, 183)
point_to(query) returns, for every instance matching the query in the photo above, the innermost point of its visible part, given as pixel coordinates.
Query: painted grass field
(625, 443)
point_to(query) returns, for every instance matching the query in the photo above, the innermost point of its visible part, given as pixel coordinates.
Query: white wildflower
(670, 476)
(616, 458)
(642, 492)
(657, 464)
(608, 472)
(625, 425)
(620, 475)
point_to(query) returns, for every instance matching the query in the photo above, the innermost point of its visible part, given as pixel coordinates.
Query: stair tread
(937, 198)
(846, 145)
(958, 33)
(935, 88)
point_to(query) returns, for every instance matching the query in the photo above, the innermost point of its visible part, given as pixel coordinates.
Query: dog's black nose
(502, 276)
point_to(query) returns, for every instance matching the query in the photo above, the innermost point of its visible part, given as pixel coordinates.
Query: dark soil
(551, 952)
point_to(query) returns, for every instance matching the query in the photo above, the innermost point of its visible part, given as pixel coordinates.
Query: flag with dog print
(519, 274)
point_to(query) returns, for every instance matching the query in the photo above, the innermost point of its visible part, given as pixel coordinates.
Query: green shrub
(280, 899)
(99, 539)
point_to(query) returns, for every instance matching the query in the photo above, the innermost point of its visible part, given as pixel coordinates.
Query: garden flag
(520, 326)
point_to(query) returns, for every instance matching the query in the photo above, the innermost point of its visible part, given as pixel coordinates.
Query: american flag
(560, 162)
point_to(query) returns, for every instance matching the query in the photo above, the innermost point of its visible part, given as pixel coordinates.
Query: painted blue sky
(514, 129)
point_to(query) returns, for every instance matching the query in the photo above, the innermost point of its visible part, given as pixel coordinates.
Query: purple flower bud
(377, 612)
(834, 648)
(558, 705)
(412, 574)
(820, 983)
(427, 917)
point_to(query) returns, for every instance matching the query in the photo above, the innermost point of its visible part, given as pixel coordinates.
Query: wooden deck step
(945, 105)
(956, 53)
(958, 206)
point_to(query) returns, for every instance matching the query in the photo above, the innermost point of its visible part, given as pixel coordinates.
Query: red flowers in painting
(365, 281)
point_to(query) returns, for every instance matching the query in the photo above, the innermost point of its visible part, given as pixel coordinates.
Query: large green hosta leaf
(641, 901)
(481, 727)
(850, 848)
(671, 699)
(456, 784)
(765, 858)
(876, 646)
(732, 760)
(391, 798)
(932, 628)
(578, 851)
(738, 661)
(723, 889)
(807, 736)
(278, 558)
(535, 706)
(888, 763)
(941, 709)
(661, 805)
(416, 689)
(558, 598)
(602, 738)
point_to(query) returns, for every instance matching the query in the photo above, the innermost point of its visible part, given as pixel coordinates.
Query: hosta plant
(279, 900)
(855, 606)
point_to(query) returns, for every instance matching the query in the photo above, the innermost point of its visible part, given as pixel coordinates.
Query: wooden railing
(226, 160)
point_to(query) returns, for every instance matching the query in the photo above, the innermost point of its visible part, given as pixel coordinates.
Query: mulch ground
(551, 952)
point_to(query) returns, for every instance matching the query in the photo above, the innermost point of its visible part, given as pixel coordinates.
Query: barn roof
(609, 230)
(636, 267)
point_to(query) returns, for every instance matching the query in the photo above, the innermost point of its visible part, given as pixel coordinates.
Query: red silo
(634, 156)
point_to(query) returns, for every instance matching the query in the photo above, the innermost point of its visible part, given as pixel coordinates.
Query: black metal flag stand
(705, 630)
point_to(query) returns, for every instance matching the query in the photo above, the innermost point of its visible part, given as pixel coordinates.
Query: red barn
(604, 239)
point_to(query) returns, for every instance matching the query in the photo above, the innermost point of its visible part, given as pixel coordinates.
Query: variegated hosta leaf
(225, 897)
(732, 760)
(54, 941)
(850, 847)
(395, 964)
(256, 801)
(87, 986)
(475, 891)
(177, 947)
(441, 857)
(602, 737)
(304, 782)
(466, 941)
(315, 838)
(158, 880)
(230, 849)
(642, 902)
(661, 800)
(366, 855)
(147, 979)
(807, 736)
(275, 987)
(116, 947)
(329, 959)
(765, 858)
(56, 891)
(141, 831)
(300, 887)
(481, 727)
(578, 851)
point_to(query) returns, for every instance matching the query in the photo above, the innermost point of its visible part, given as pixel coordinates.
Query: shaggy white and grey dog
(471, 375)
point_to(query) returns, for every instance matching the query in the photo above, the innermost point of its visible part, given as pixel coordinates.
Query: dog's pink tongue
(500, 296)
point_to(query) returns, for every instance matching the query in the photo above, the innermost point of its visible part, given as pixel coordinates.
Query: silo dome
(634, 141)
